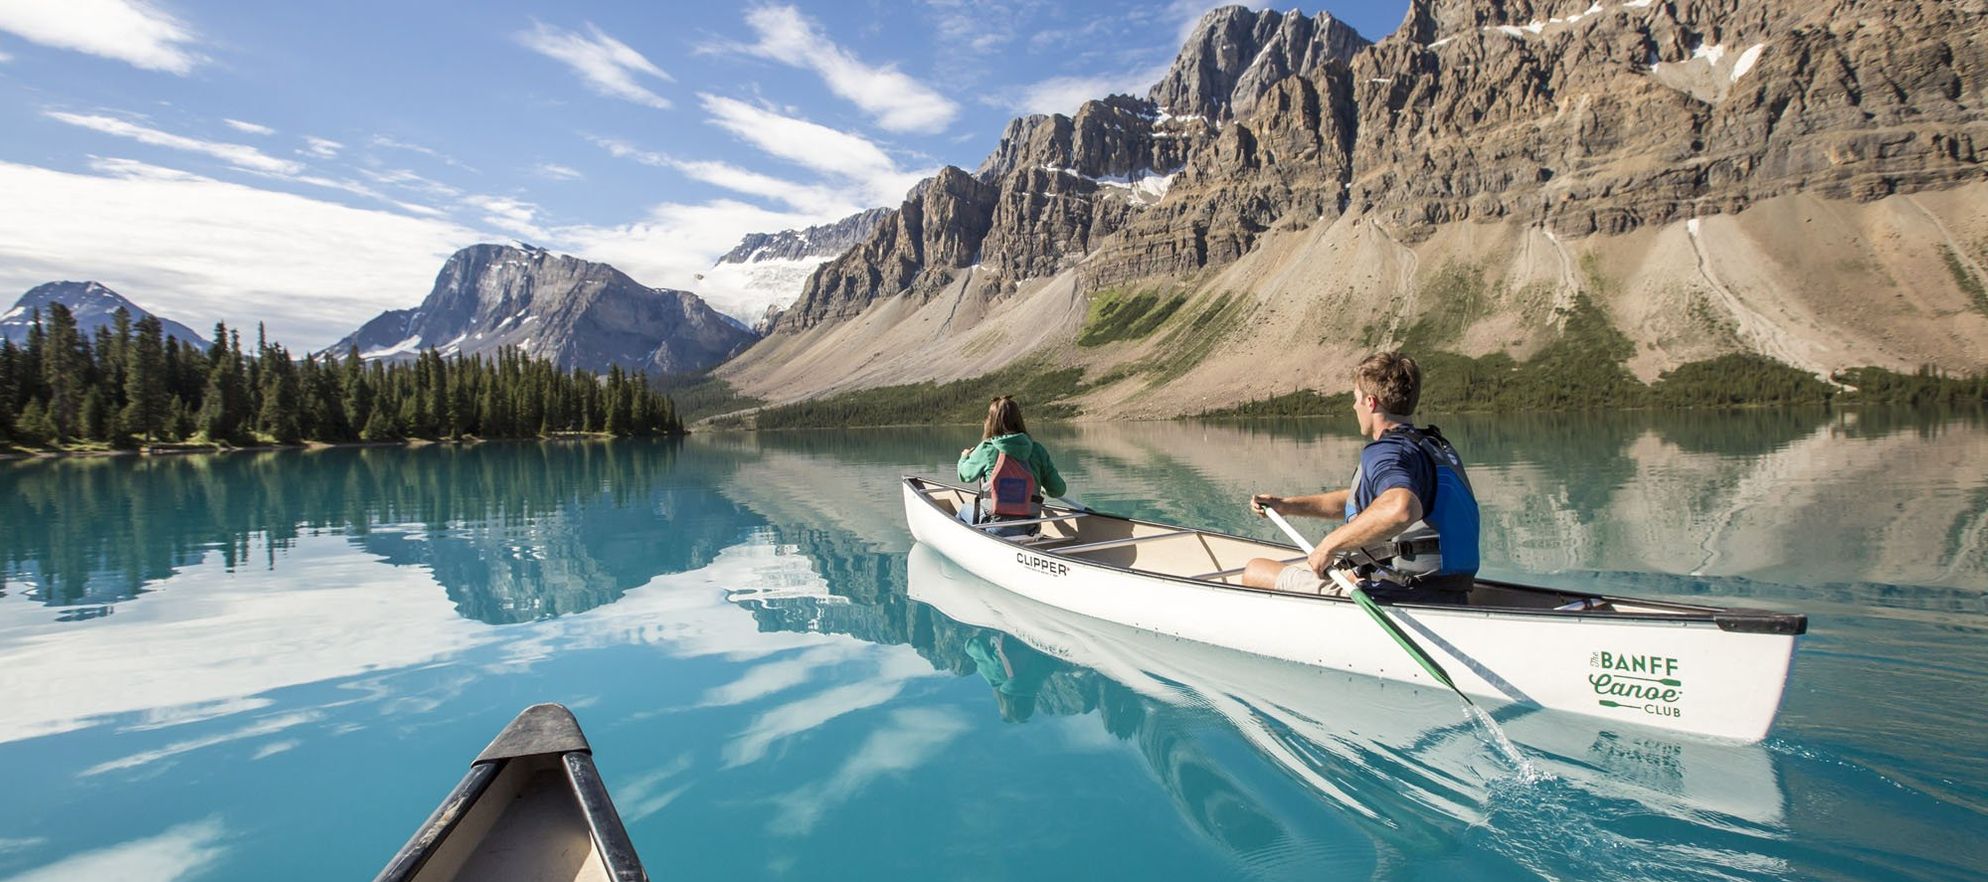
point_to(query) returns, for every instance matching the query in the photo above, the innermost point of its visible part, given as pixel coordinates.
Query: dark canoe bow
(532, 807)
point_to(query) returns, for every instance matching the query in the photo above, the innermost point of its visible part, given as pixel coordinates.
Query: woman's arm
(1050, 480)
(975, 461)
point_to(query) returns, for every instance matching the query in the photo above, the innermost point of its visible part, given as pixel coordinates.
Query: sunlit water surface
(273, 666)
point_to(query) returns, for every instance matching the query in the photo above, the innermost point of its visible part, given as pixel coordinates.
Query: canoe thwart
(1114, 543)
(541, 728)
(1223, 574)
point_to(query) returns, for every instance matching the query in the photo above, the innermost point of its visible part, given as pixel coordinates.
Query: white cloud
(824, 203)
(555, 172)
(676, 245)
(238, 155)
(610, 66)
(910, 738)
(815, 146)
(132, 31)
(200, 250)
(1065, 94)
(676, 242)
(4, 58)
(509, 215)
(977, 26)
(407, 180)
(895, 100)
(430, 152)
(269, 725)
(181, 852)
(249, 127)
(322, 148)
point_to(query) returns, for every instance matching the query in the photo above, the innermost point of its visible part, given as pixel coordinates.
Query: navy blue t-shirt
(1395, 461)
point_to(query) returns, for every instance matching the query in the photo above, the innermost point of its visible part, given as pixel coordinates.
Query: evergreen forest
(129, 385)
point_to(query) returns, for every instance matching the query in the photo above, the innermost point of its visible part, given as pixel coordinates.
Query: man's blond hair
(1391, 377)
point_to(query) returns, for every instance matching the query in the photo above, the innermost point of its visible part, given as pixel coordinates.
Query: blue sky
(312, 164)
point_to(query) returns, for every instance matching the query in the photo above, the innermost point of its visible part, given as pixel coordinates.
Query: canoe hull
(1670, 674)
(532, 807)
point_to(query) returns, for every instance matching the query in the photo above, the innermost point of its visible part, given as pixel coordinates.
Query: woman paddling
(1013, 470)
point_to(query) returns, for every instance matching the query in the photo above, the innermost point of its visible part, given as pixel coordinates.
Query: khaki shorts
(1299, 579)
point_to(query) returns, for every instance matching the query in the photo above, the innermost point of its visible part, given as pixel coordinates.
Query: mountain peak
(1235, 54)
(579, 313)
(94, 305)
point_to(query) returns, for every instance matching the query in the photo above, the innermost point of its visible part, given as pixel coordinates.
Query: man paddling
(1409, 501)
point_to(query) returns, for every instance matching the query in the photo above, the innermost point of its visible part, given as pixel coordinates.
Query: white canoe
(1672, 666)
(1332, 730)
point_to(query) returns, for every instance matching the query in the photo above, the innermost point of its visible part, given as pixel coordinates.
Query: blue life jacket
(1450, 519)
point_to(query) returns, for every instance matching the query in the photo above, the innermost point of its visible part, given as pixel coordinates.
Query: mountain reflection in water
(513, 532)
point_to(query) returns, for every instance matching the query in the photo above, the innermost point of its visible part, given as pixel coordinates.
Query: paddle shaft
(1375, 612)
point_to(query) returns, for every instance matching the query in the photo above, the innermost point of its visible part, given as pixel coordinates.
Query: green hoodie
(979, 462)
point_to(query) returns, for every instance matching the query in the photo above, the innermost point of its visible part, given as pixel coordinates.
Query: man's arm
(1317, 505)
(1391, 512)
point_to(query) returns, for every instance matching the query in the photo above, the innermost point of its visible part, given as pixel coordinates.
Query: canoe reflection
(1402, 757)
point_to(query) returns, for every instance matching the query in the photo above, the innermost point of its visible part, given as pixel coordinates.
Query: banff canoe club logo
(1648, 683)
(1041, 564)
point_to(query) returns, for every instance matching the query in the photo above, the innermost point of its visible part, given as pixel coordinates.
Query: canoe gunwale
(1738, 620)
(407, 863)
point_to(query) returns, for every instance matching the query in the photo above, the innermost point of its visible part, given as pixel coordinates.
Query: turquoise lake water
(274, 665)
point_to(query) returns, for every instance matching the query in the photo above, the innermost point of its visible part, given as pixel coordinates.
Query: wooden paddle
(1373, 609)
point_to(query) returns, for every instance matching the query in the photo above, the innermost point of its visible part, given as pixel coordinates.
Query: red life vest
(1011, 489)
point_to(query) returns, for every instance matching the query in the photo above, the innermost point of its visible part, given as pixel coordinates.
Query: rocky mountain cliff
(1462, 184)
(581, 315)
(94, 305)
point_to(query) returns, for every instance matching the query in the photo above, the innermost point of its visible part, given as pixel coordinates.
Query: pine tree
(115, 351)
(64, 366)
(179, 420)
(10, 386)
(355, 396)
(146, 406)
(35, 427)
(279, 413)
(97, 421)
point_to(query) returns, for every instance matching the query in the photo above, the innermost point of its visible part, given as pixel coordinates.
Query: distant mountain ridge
(821, 240)
(94, 306)
(577, 313)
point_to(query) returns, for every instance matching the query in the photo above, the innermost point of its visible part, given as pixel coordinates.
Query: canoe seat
(989, 525)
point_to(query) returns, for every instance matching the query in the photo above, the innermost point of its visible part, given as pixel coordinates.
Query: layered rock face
(579, 314)
(94, 306)
(1235, 56)
(1604, 117)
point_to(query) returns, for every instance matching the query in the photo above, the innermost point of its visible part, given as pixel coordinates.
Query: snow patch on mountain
(743, 291)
